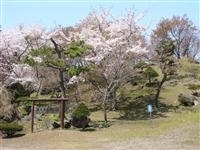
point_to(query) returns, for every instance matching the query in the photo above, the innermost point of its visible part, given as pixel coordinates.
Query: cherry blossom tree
(5, 68)
(15, 44)
(118, 46)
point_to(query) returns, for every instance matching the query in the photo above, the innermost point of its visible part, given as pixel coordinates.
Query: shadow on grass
(14, 136)
(137, 109)
(88, 130)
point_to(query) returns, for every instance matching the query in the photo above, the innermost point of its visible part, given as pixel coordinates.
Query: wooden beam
(61, 110)
(48, 100)
(32, 115)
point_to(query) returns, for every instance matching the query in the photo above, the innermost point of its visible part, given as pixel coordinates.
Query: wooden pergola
(61, 110)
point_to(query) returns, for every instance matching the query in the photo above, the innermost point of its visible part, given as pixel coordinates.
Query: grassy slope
(169, 93)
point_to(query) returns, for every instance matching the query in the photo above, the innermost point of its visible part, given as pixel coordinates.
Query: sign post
(150, 110)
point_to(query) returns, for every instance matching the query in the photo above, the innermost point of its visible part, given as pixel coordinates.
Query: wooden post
(62, 114)
(32, 115)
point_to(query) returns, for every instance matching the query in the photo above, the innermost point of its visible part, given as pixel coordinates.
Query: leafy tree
(62, 59)
(182, 31)
(164, 51)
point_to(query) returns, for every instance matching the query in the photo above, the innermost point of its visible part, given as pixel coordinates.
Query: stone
(55, 125)
(81, 122)
(187, 100)
(68, 124)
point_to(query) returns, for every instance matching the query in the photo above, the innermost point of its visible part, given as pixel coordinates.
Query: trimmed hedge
(10, 128)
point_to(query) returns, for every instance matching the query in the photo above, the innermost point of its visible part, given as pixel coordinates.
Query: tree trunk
(61, 76)
(40, 86)
(61, 72)
(113, 99)
(159, 89)
(104, 108)
(105, 115)
(62, 86)
(149, 79)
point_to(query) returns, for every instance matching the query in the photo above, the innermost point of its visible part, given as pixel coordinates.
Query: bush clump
(81, 111)
(80, 116)
(10, 128)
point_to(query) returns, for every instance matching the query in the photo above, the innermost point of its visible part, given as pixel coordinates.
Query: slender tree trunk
(113, 99)
(40, 86)
(105, 115)
(61, 76)
(159, 89)
(61, 72)
(104, 108)
(149, 79)
(62, 85)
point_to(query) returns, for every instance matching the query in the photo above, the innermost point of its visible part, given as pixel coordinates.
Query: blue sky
(50, 13)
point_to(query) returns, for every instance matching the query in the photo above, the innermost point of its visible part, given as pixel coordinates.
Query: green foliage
(24, 105)
(150, 72)
(165, 49)
(19, 90)
(77, 49)
(165, 53)
(81, 111)
(30, 61)
(141, 65)
(10, 128)
(76, 70)
(45, 51)
(56, 62)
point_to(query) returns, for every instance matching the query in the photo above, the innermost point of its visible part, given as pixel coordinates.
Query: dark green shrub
(80, 116)
(25, 105)
(10, 128)
(19, 89)
(81, 111)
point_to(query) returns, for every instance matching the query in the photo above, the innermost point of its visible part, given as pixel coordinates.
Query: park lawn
(118, 132)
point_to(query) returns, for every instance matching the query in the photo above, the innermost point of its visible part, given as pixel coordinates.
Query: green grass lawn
(119, 131)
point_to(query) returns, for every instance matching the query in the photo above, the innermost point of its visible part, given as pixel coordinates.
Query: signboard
(149, 108)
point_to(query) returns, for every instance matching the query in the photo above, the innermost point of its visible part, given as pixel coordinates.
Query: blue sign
(149, 108)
